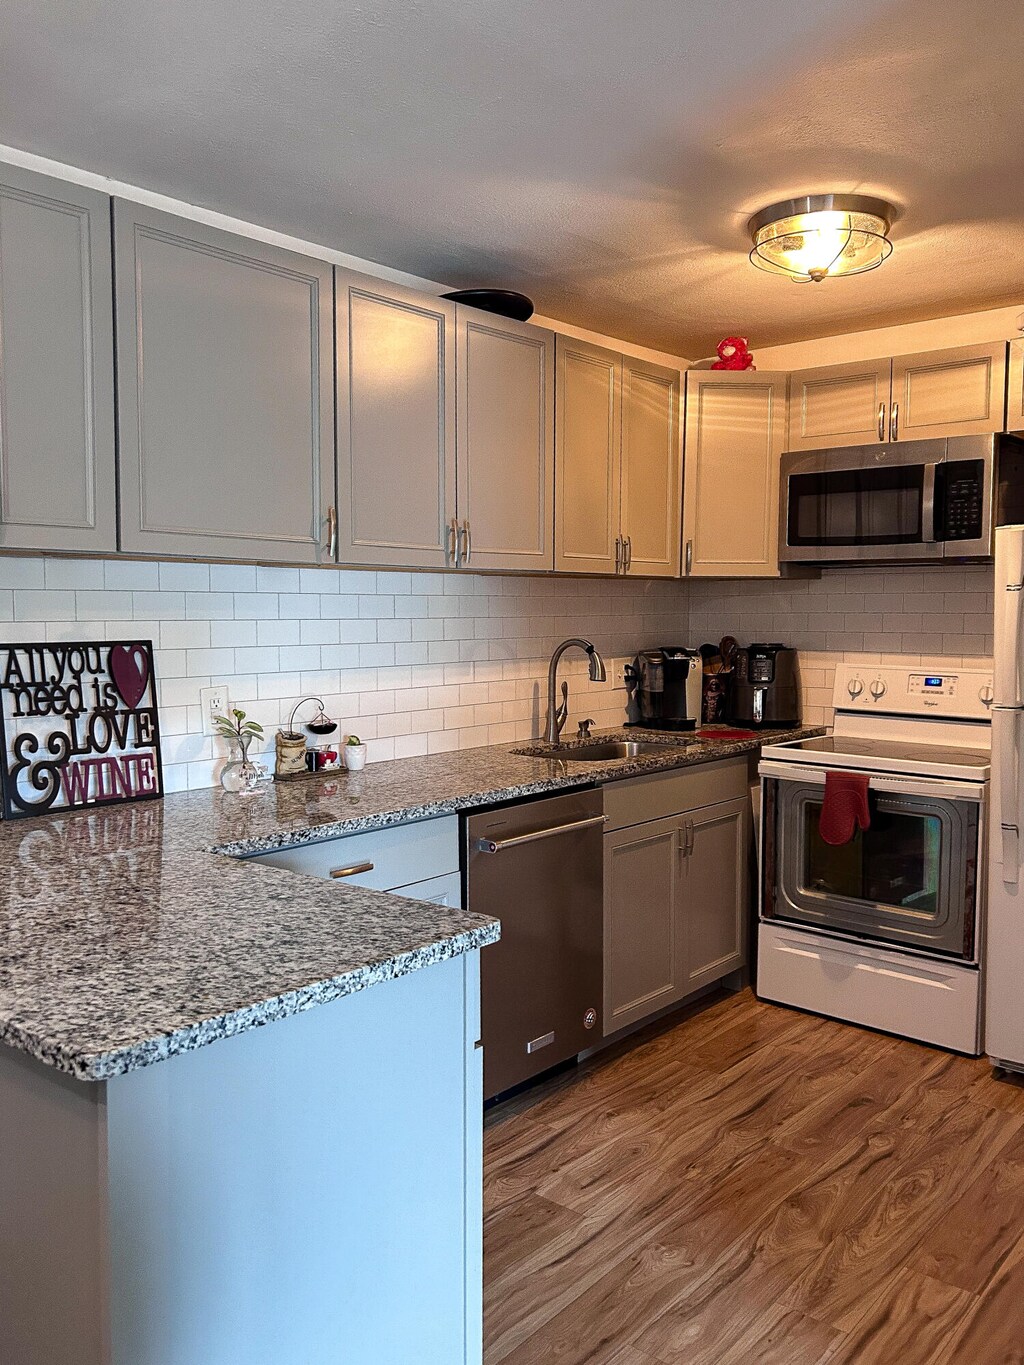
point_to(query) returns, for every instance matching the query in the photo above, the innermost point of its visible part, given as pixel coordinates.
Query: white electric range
(885, 930)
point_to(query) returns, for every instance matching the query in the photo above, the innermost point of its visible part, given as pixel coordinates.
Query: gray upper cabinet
(959, 392)
(396, 425)
(225, 393)
(956, 392)
(1015, 388)
(652, 468)
(588, 452)
(505, 442)
(839, 405)
(735, 427)
(619, 463)
(57, 470)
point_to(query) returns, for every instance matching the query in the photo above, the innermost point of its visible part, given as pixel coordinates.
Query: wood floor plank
(522, 1229)
(969, 1243)
(992, 1331)
(755, 1186)
(911, 1320)
(783, 1337)
(878, 1230)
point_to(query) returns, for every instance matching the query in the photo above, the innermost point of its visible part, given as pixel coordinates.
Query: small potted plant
(241, 774)
(355, 754)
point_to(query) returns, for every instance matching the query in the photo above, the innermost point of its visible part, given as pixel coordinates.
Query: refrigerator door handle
(1010, 581)
(1006, 736)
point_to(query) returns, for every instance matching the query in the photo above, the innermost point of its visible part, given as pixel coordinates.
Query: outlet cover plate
(214, 702)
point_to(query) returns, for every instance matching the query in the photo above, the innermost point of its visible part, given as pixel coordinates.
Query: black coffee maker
(765, 687)
(666, 686)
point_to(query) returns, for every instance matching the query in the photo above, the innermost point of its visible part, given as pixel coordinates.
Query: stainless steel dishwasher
(538, 867)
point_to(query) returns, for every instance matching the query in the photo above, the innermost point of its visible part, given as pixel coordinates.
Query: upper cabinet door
(396, 424)
(652, 468)
(959, 392)
(57, 474)
(1015, 388)
(225, 393)
(506, 442)
(839, 405)
(588, 451)
(735, 424)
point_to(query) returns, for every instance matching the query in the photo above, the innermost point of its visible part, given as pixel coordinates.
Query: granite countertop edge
(404, 946)
(112, 1062)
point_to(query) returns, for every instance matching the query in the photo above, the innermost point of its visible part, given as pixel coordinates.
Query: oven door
(910, 879)
(863, 503)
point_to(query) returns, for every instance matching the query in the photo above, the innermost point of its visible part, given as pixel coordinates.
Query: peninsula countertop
(131, 933)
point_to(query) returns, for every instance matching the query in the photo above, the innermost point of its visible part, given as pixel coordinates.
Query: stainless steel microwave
(913, 500)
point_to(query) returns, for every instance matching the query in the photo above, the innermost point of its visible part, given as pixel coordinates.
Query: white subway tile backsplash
(73, 573)
(185, 577)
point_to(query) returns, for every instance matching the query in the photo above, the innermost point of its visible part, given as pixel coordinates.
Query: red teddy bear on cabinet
(734, 355)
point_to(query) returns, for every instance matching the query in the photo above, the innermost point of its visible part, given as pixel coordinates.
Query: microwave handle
(928, 504)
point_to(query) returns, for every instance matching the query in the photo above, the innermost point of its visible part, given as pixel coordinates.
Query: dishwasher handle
(496, 845)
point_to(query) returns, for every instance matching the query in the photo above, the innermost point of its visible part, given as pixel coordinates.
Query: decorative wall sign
(78, 726)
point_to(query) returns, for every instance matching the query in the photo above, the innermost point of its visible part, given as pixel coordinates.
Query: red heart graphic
(129, 667)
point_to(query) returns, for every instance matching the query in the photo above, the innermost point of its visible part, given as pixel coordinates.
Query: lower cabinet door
(714, 894)
(642, 949)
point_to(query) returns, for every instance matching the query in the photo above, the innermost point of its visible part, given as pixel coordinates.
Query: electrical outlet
(214, 702)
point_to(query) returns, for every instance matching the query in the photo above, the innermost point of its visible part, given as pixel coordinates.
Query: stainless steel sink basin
(600, 750)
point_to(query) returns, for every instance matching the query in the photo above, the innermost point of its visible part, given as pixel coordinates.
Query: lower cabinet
(676, 896)
(642, 940)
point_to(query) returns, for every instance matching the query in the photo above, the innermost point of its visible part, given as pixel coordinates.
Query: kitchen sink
(601, 750)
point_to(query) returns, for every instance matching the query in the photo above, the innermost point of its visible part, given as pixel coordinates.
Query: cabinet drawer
(446, 890)
(398, 856)
(659, 795)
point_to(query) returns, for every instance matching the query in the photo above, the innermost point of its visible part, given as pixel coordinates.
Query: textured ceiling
(602, 156)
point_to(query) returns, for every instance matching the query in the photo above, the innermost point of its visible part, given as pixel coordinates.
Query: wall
(414, 663)
(935, 616)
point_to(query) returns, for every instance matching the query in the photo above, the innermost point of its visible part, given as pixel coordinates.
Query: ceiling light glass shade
(821, 236)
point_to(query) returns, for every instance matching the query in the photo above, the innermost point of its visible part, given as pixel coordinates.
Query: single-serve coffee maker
(666, 687)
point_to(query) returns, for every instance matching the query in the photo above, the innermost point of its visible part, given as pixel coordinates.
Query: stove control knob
(985, 694)
(878, 689)
(855, 687)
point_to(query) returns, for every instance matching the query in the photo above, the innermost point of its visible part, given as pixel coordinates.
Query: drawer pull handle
(338, 872)
(535, 1044)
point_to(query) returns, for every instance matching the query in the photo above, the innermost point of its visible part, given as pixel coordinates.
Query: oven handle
(897, 785)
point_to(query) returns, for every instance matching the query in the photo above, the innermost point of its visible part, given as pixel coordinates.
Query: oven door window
(879, 506)
(908, 879)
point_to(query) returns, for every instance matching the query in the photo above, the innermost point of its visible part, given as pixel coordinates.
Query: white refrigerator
(1004, 950)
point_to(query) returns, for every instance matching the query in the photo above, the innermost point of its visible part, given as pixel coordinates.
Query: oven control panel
(957, 693)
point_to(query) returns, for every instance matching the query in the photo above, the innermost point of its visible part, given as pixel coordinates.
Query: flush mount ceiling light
(819, 236)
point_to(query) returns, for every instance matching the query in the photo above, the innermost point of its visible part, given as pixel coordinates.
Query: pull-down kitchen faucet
(557, 713)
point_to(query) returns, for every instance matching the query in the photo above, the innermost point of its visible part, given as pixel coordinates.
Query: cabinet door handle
(331, 548)
(881, 421)
(689, 840)
(468, 542)
(452, 548)
(338, 872)
(618, 554)
(894, 423)
(627, 551)
(689, 555)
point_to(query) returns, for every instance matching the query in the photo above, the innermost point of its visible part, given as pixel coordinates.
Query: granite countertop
(127, 936)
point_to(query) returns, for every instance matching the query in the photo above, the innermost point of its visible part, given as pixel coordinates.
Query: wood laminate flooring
(749, 1185)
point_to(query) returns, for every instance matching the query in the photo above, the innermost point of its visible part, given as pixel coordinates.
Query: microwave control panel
(963, 489)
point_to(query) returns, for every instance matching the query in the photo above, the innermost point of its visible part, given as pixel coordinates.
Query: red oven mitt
(845, 807)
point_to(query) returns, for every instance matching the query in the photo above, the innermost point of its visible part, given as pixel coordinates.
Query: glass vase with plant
(240, 775)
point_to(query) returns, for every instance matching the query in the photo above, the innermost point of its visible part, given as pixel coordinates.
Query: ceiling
(603, 157)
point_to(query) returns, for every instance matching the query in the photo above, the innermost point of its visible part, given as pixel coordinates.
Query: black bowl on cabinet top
(505, 302)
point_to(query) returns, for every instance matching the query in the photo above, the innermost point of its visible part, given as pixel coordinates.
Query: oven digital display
(933, 682)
